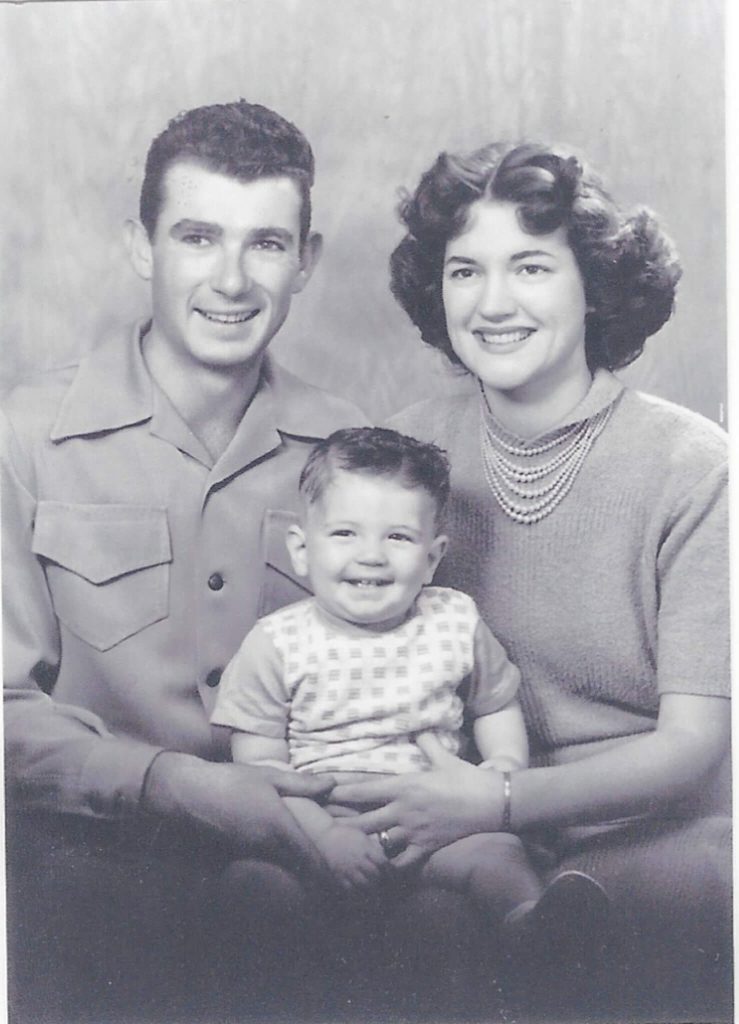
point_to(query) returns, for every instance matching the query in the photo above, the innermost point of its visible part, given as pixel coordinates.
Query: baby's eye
(341, 533)
(402, 537)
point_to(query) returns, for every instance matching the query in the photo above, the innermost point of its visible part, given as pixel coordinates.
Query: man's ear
(295, 541)
(138, 247)
(310, 253)
(436, 553)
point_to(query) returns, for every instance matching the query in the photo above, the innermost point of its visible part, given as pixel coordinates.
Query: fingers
(409, 858)
(337, 811)
(374, 821)
(316, 787)
(428, 743)
(367, 794)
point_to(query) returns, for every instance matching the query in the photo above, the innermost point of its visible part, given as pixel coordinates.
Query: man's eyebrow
(282, 233)
(196, 227)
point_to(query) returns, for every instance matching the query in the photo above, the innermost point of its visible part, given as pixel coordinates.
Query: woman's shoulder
(435, 419)
(673, 432)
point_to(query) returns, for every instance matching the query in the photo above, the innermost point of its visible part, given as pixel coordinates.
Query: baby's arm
(501, 738)
(500, 733)
(355, 860)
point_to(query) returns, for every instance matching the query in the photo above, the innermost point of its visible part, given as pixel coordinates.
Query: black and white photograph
(364, 420)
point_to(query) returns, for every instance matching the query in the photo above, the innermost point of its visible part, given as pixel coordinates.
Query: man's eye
(270, 245)
(196, 241)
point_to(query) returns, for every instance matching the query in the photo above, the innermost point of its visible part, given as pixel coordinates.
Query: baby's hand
(356, 861)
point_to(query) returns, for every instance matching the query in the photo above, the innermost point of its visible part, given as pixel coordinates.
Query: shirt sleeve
(252, 696)
(494, 680)
(59, 757)
(693, 578)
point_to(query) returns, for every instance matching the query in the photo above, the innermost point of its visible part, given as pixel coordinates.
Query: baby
(344, 682)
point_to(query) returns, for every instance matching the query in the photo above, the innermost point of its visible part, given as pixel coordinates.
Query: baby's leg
(492, 868)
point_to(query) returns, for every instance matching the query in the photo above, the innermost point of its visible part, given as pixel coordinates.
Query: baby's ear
(295, 541)
(436, 553)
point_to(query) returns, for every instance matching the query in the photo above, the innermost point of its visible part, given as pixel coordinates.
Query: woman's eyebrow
(526, 254)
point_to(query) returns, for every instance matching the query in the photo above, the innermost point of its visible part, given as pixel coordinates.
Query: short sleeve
(693, 575)
(252, 696)
(494, 680)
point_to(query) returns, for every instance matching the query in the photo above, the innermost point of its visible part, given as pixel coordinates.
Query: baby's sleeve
(494, 680)
(252, 696)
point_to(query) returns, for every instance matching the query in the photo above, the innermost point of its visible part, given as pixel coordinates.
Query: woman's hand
(424, 811)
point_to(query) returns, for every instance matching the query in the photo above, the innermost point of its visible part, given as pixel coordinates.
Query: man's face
(224, 263)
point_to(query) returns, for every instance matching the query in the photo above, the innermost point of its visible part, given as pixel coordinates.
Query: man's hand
(238, 805)
(356, 861)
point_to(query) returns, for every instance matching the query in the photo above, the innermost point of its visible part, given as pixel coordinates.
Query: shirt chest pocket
(107, 567)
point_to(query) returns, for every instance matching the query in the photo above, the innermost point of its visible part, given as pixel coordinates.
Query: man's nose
(230, 276)
(497, 301)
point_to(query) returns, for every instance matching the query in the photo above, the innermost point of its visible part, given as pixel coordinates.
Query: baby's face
(367, 547)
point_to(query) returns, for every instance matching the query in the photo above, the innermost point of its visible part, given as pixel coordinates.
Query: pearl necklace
(513, 478)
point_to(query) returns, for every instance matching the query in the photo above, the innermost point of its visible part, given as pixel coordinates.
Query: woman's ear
(435, 555)
(297, 550)
(138, 247)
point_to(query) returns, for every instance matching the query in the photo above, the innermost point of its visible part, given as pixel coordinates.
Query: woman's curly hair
(628, 265)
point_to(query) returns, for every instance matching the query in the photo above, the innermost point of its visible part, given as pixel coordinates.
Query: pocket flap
(101, 542)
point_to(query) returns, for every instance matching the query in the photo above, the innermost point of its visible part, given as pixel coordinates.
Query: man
(146, 493)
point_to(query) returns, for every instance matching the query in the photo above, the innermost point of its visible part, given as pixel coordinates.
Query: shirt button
(215, 582)
(213, 678)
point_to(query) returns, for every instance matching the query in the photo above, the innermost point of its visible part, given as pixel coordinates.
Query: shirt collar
(604, 390)
(111, 389)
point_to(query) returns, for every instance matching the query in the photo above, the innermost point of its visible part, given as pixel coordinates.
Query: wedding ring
(384, 842)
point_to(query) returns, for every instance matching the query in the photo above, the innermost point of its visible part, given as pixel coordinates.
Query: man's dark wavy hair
(243, 140)
(376, 451)
(628, 265)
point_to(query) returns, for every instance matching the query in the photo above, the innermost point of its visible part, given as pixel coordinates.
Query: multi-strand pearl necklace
(527, 487)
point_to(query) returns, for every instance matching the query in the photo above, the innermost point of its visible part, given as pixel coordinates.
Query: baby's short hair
(377, 451)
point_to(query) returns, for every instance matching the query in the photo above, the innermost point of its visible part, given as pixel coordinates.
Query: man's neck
(212, 401)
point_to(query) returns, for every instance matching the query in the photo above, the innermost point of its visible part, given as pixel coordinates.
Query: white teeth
(368, 583)
(228, 318)
(508, 338)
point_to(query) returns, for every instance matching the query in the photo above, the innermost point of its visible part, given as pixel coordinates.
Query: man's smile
(228, 318)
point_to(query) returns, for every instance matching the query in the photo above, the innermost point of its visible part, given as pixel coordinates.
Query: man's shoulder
(307, 410)
(33, 403)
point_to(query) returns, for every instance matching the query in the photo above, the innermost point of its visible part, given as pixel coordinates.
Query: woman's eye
(532, 269)
(461, 273)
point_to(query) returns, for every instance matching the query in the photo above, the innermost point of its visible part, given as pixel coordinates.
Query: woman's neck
(529, 413)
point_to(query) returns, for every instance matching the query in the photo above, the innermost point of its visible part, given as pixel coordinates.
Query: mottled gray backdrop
(379, 86)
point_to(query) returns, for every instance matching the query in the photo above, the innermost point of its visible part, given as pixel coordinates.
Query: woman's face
(515, 307)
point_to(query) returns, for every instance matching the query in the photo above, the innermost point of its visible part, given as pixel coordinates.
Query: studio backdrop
(379, 87)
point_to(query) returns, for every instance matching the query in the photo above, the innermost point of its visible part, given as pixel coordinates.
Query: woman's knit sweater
(618, 596)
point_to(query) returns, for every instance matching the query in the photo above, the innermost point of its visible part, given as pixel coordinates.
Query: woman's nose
(497, 301)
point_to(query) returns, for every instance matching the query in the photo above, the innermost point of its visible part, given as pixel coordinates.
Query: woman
(588, 521)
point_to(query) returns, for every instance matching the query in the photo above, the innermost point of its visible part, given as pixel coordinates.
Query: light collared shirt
(133, 566)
